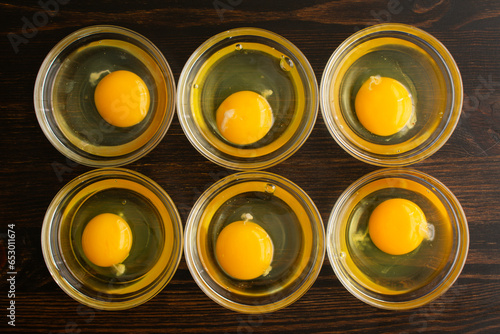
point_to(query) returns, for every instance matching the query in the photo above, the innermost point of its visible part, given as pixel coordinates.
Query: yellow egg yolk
(397, 226)
(244, 118)
(122, 98)
(244, 250)
(107, 240)
(383, 105)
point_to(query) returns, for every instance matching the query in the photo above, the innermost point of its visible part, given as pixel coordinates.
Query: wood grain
(468, 164)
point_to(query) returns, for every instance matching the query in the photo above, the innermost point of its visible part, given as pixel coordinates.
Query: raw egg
(244, 118)
(107, 240)
(383, 105)
(244, 250)
(397, 226)
(122, 98)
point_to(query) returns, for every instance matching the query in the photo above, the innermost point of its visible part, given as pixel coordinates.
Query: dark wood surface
(469, 164)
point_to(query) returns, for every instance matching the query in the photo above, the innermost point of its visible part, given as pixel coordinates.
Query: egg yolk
(244, 250)
(244, 118)
(122, 98)
(397, 226)
(107, 240)
(383, 105)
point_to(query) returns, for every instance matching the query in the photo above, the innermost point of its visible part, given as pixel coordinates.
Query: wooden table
(468, 164)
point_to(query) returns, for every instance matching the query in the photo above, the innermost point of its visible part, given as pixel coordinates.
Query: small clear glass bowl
(248, 59)
(288, 216)
(157, 236)
(64, 96)
(418, 61)
(405, 281)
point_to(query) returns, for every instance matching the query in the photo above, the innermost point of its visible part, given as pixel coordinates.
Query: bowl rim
(191, 231)
(453, 73)
(459, 221)
(48, 249)
(41, 82)
(183, 107)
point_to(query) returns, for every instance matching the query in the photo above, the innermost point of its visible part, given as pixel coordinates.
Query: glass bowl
(421, 64)
(157, 238)
(290, 219)
(397, 281)
(248, 59)
(64, 96)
